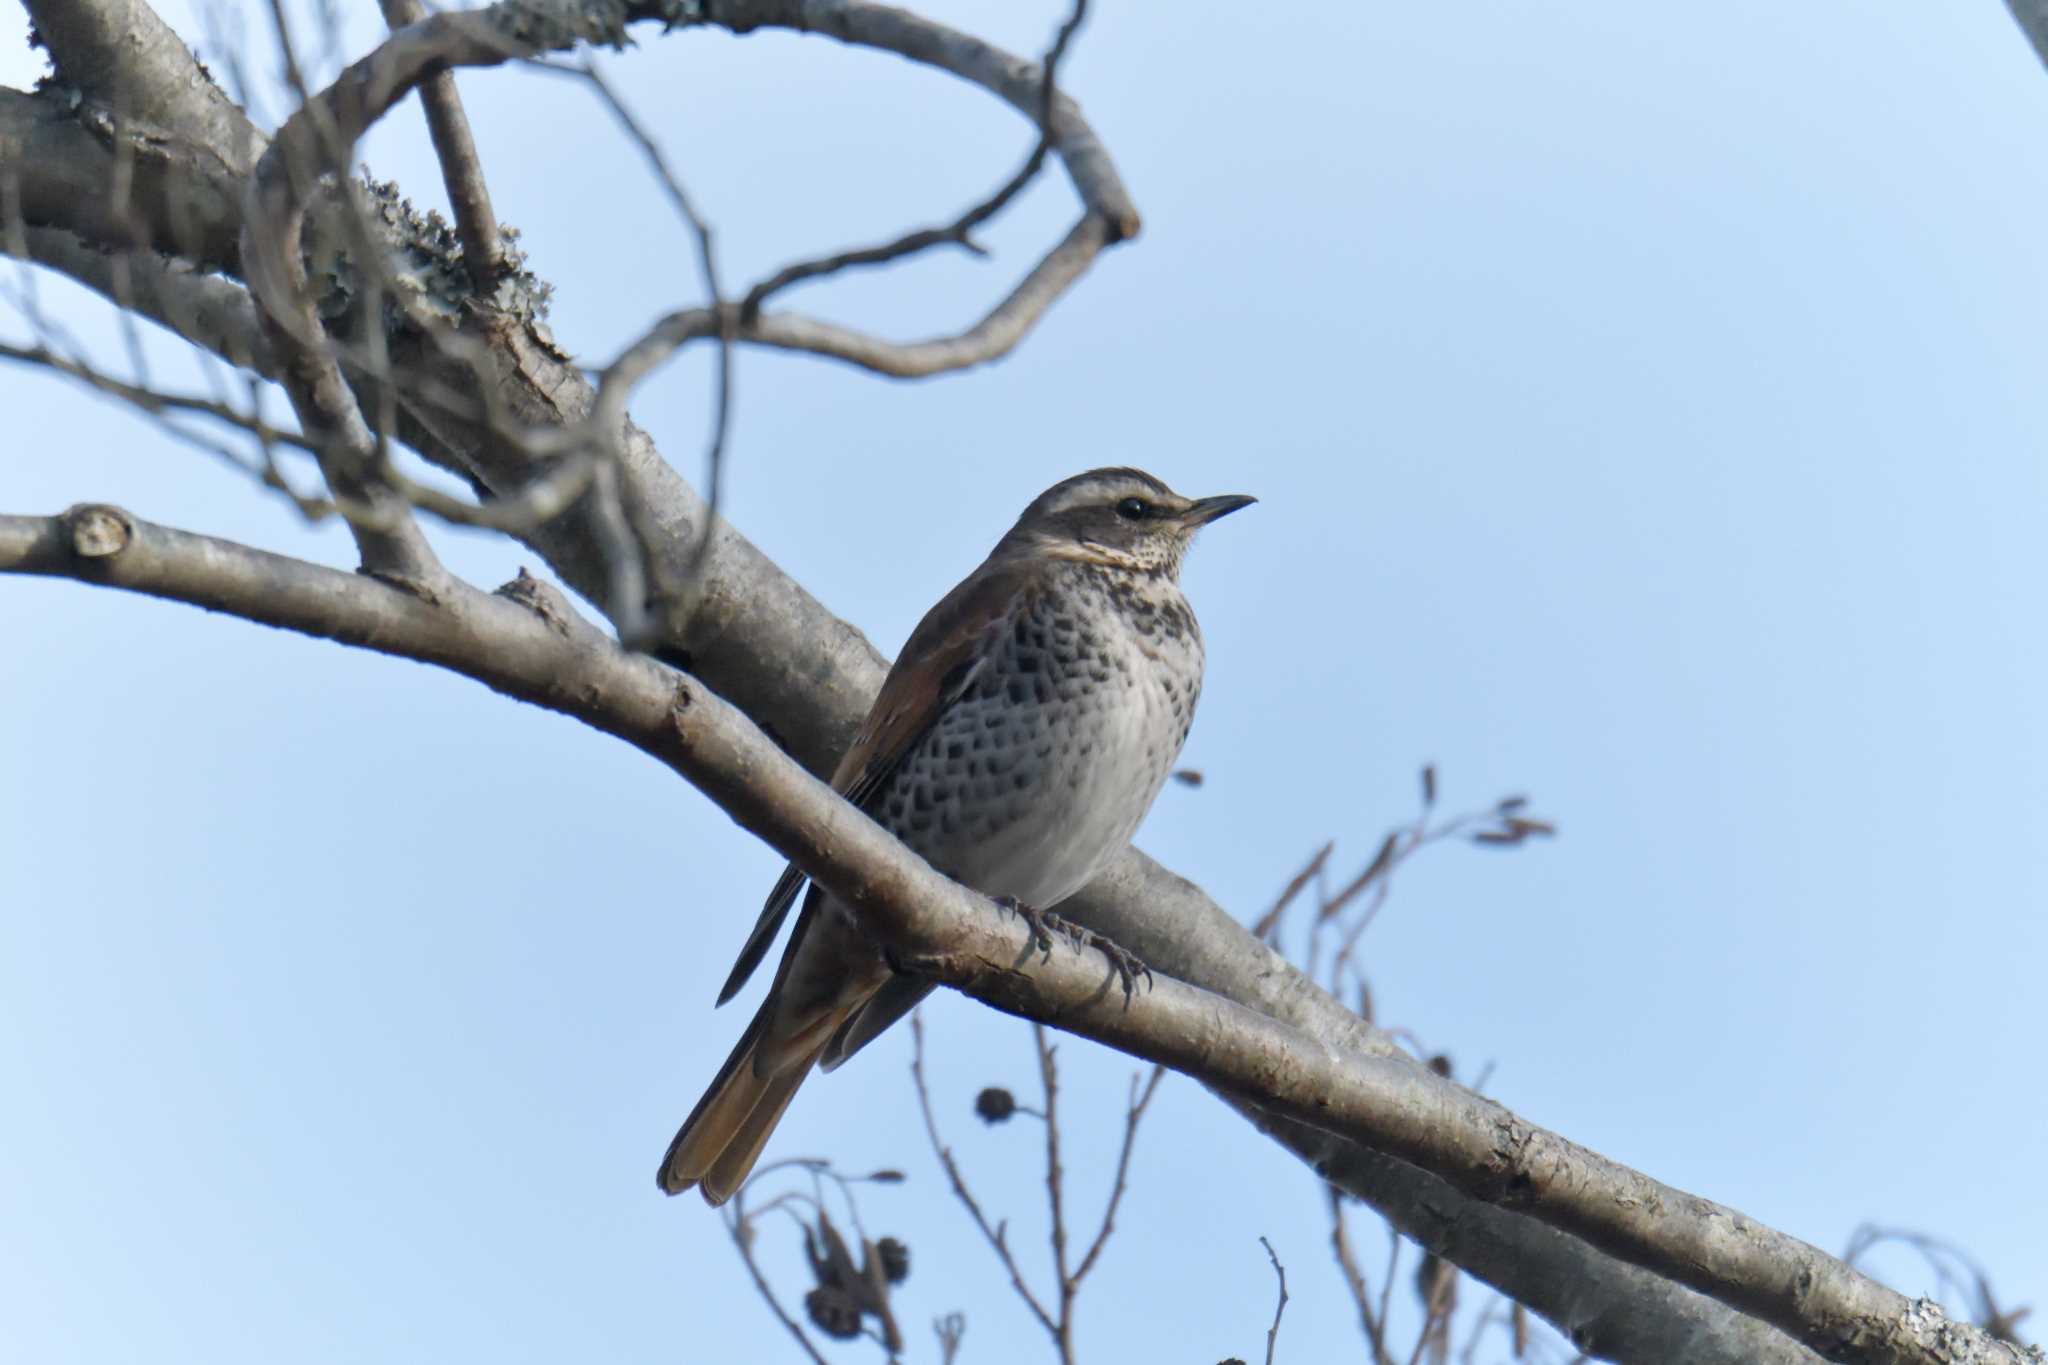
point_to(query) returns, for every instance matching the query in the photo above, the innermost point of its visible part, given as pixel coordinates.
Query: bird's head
(1118, 518)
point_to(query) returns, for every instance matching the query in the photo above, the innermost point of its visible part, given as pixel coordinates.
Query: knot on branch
(1508, 1180)
(98, 531)
(540, 598)
(678, 703)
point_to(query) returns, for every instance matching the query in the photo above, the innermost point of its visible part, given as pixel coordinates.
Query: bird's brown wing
(936, 668)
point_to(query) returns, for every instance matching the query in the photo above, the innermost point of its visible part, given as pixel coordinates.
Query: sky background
(1645, 408)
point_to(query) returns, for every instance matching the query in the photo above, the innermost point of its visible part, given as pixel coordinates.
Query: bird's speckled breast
(1043, 770)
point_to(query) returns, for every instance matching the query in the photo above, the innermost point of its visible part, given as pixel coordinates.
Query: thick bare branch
(120, 55)
(534, 648)
(58, 166)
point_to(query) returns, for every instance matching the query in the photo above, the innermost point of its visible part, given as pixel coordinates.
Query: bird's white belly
(1094, 796)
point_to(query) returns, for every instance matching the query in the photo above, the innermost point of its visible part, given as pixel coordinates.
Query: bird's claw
(1039, 922)
(1043, 924)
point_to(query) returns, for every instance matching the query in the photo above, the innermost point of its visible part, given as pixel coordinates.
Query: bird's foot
(1043, 924)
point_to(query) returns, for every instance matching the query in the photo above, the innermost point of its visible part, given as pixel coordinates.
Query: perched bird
(1018, 741)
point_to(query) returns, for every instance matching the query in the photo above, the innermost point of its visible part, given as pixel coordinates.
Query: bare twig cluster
(1052, 1311)
(849, 1295)
(1337, 917)
(384, 280)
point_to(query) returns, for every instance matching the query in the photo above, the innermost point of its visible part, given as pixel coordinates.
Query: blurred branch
(462, 170)
(1371, 1323)
(2032, 17)
(155, 402)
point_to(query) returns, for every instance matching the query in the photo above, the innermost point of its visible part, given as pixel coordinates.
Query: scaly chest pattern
(1041, 772)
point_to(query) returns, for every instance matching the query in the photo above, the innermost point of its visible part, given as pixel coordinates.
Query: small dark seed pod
(994, 1105)
(833, 1311)
(895, 1260)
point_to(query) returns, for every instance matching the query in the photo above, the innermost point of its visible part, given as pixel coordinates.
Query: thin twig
(1354, 1277)
(1134, 1111)
(960, 231)
(1055, 1190)
(1439, 1287)
(738, 1225)
(993, 1235)
(707, 265)
(1387, 1278)
(153, 401)
(949, 1330)
(1496, 1307)
(1273, 1332)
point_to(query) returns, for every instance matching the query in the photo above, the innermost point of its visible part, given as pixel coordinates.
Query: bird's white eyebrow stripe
(1093, 490)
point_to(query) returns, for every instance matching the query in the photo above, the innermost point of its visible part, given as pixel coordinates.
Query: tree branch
(119, 54)
(527, 644)
(462, 170)
(2032, 17)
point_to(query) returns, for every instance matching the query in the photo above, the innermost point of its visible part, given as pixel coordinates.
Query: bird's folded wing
(935, 669)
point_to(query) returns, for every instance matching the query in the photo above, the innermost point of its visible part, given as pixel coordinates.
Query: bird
(1015, 745)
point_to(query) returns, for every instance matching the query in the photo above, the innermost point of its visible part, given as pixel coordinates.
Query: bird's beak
(1206, 510)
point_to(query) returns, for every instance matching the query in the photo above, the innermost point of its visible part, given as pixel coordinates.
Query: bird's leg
(1037, 921)
(1044, 924)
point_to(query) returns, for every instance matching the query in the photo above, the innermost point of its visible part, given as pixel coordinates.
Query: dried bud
(1429, 784)
(1441, 1064)
(885, 1177)
(834, 1312)
(994, 1105)
(895, 1260)
(1188, 777)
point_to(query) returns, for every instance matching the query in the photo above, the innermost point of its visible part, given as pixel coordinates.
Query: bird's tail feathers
(719, 1143)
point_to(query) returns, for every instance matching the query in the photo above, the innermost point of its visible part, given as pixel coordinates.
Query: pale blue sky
(1646, 410)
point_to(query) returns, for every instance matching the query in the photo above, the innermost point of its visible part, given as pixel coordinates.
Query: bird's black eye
(1133, 509)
